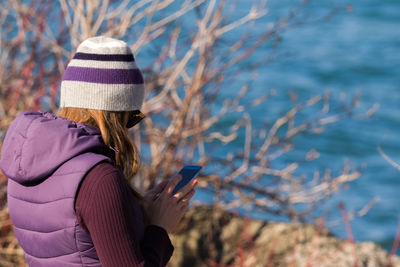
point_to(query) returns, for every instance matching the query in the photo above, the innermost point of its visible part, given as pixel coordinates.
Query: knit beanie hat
(102, 75)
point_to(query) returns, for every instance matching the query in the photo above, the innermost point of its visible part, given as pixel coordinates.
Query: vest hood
(38, 143)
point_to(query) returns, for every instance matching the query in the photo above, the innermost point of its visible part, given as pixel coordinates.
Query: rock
(208, 237)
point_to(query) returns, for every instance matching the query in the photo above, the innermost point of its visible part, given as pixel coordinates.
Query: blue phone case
(188, 172)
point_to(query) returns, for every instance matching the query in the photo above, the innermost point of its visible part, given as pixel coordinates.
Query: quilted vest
(44, 218)
(45, 158)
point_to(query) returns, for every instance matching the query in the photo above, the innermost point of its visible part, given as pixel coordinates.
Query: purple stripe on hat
(106, 76)
(104, 57)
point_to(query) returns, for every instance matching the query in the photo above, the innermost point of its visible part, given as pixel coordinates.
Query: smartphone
(188, 172)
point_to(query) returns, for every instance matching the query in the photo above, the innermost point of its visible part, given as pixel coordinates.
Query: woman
(68, 197)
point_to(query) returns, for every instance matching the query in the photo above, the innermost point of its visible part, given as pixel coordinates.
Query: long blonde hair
(112, 125)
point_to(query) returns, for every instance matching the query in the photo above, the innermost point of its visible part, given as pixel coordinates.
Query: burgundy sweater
(107, 209)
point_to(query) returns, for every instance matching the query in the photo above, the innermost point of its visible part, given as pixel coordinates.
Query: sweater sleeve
(107, 209)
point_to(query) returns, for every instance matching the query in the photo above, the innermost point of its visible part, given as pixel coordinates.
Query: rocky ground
(215, 238)
(210, 237)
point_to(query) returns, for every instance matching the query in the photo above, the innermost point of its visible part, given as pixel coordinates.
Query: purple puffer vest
(45, 159)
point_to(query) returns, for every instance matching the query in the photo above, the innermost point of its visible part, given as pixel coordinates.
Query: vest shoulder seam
(23, 229)
(46, 202)
(49, 258)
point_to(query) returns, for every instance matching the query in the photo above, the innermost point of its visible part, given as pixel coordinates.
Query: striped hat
(102, 75)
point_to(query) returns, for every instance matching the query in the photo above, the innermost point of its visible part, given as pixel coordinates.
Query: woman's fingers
(155, 192)
(160, 187)
(187, 197)
(167, 210)
(184, 202)
(186, 189)
(172, 183)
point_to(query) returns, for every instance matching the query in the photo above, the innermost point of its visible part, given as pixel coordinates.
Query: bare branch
(388, 159)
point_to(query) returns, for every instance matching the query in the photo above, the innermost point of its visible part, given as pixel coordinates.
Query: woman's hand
(163, 208)
(153, 193)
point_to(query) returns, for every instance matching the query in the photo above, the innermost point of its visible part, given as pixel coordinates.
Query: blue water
(357, 51)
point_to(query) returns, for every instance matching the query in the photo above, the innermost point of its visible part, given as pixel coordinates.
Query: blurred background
(286, 103)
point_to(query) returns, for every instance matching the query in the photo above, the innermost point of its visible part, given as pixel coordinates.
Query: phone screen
(188, 172)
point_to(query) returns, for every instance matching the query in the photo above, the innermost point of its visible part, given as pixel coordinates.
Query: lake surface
(356, 51)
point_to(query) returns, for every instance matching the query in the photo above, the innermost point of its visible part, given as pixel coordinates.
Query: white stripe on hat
(112, 97)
